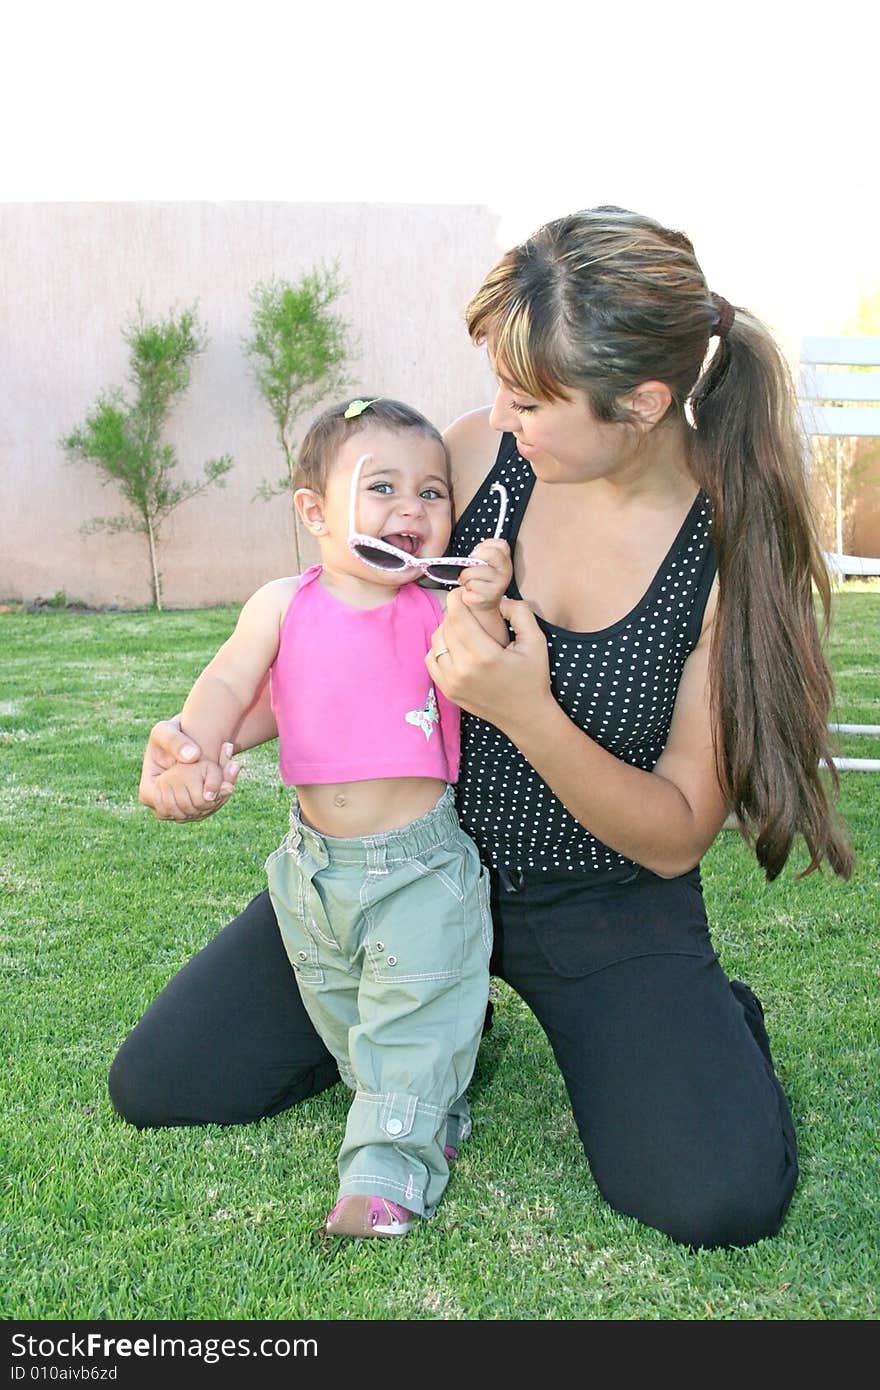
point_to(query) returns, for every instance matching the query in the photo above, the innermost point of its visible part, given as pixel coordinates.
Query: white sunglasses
(445, 569)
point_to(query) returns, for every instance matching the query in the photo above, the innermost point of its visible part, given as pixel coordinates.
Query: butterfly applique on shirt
(427, 717)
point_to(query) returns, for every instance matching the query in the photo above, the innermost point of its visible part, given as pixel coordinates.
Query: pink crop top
(351, 692)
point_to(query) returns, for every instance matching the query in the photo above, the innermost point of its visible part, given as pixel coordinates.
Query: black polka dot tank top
(618, 685)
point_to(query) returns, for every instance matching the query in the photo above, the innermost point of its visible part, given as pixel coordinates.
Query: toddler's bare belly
(348, 810)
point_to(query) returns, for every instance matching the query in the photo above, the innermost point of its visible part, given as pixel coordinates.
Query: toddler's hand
(484, 586)
(180, 792)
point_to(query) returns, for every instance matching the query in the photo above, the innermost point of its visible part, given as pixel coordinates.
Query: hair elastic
(726, 315)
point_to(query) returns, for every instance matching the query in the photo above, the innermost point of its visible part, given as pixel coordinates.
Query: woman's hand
(504, 685)
(167, 746)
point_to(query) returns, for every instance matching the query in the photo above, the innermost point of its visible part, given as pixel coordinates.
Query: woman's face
(562, 440)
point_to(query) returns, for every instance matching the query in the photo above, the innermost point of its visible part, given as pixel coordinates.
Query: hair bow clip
(357, 408)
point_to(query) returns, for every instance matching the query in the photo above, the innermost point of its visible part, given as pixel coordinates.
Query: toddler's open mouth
(406, 541)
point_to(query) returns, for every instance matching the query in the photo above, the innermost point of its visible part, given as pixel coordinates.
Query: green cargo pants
(390, 938)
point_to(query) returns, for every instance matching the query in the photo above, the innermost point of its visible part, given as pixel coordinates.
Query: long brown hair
(603, 300)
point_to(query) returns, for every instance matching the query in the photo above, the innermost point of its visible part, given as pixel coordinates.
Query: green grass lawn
(101, 904)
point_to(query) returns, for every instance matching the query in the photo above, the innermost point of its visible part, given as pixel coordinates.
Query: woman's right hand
(168, 745)
(506, 686)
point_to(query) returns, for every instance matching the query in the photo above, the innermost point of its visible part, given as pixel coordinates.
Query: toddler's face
(403, 497)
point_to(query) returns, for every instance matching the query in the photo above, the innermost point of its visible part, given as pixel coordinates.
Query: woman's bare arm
(473, 445)
(665, 819)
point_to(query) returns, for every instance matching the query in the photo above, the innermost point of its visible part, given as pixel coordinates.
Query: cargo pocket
(582, 929)
(416, 922)
(484, 890)
(288, 889)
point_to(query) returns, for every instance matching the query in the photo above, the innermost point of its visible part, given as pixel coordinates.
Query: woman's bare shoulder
(473, 445)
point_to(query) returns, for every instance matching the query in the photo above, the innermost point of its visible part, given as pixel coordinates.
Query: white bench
(826, 409)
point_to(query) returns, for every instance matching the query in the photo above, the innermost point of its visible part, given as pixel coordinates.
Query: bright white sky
(752, 126)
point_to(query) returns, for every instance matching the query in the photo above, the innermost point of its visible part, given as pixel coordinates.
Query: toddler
(382, 901)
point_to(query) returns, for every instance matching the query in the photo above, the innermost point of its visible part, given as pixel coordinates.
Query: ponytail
(772, 688)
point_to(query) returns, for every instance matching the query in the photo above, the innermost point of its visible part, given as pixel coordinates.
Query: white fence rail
(856, 764)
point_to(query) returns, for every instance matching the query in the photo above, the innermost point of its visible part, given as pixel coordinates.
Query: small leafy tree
(124, 440)
(298, 349)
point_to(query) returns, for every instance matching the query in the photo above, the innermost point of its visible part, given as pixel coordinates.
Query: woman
(666, 666)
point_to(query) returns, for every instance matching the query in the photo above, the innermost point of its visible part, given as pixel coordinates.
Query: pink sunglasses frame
(357, 538)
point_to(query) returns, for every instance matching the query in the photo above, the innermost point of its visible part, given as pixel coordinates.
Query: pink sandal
(368, 1216)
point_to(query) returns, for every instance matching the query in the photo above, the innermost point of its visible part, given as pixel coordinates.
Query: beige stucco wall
(70, 278)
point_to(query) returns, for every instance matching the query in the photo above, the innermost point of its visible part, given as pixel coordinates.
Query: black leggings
(666, 1061)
